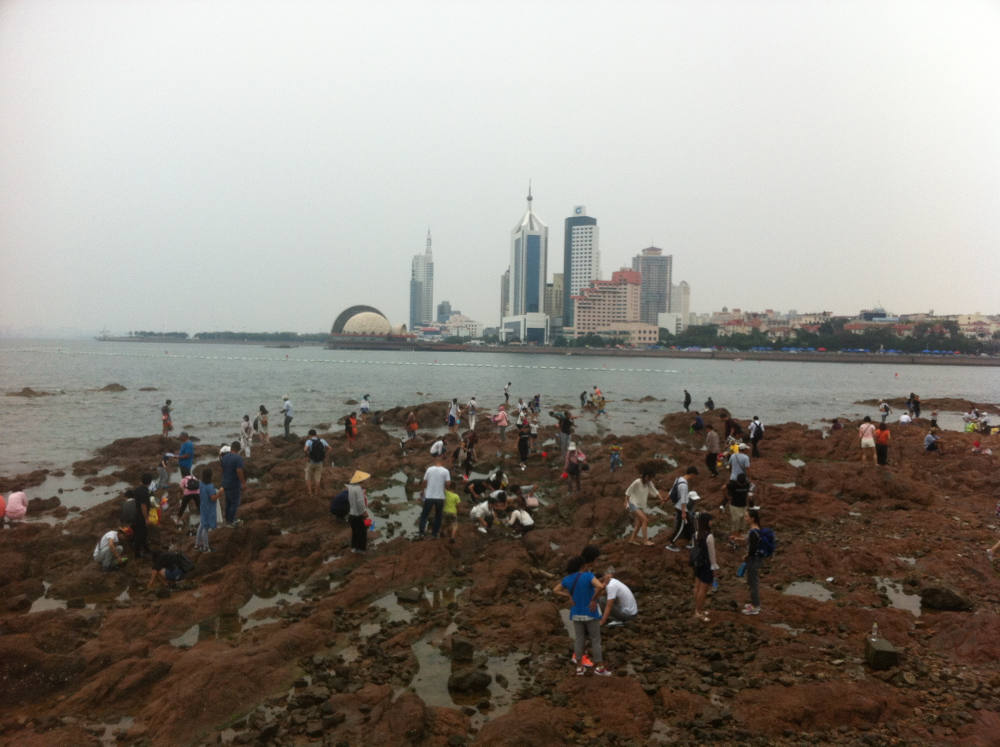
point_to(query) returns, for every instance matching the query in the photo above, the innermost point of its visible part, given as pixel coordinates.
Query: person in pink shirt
(17, 506)
(867, 434)
(3, 508)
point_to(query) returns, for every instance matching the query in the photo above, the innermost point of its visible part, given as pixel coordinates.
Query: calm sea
(213, 386)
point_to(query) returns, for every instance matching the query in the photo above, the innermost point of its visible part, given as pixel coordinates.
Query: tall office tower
(529, 248)
(422, 287)
(581, 258)
(554, 298)
(444, 312)
(657, 271)
(680, 302)
(504, 294)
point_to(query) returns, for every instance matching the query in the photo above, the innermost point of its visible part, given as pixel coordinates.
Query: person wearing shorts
(450, 513)
(866, 432)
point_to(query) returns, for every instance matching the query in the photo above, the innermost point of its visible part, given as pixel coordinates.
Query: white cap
(693, 496)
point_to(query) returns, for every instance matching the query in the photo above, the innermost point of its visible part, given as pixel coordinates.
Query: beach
(282, 636)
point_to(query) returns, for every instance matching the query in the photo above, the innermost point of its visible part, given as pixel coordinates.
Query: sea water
(213, 385)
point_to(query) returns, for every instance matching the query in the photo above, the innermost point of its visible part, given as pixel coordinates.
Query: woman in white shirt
(636, 500)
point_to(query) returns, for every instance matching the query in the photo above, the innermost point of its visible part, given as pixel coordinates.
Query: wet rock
(462, 649)
(469, 682)
(940, 598)
(113, 387)
(411, 595)
(880, 653)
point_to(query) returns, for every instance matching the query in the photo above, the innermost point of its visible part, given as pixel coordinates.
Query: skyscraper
(581, 258)
(680, 302)
(529, 247)
(657, 275)
(422, 287)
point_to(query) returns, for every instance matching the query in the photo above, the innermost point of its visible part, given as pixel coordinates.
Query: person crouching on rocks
(108, 551)
(520, 520)
(620, 606)
(168, 567)
(584, 588)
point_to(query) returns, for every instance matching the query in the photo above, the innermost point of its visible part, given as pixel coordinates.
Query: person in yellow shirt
(451, 501)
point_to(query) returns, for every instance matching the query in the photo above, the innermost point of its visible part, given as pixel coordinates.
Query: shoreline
(722, 355)
(297, 636)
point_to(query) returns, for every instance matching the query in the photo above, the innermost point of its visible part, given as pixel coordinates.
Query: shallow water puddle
(785, 485)
(788, 628)
(809, 589)
(897, 597)
(434, 669)
(797, 463)
(45, 602)
(112, 731)
(248, 612)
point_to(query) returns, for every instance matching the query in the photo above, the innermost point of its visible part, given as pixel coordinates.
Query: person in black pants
(358, 511)
(134, 513)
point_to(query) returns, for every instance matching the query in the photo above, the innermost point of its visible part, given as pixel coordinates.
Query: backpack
(766, 545)
(698, 555)
(184, 563)
(340, 506)
(130, 512)
(191, 484)
(317, 452)
(674, 494)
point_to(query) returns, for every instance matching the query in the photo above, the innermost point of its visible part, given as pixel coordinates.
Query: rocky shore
(284, 637)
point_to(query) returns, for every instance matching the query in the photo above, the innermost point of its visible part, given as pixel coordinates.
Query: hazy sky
(232, 164)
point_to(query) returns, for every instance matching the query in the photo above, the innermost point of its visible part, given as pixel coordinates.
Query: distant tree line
(162, 335)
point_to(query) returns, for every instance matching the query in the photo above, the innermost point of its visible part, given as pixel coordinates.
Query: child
(451, 501)
(615, 462)
(583, 587)
(209, 496)
(190, 493)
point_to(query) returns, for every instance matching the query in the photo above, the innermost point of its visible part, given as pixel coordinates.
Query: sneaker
(751, 610)
(673, 549)
(580, 671)
(481, 530)
(602, 672)
(585, 662)
(615, 623)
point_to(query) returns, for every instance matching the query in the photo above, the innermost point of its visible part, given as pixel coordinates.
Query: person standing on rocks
(411, 425)
(166, 420)
(584, 588)
(208, 498)
(365, 407)
(573, 466)
(704, 562)
(234, 481)
(687, 401)
(358, 511)
(565, 428)
(134, 513)
(709, 404)
(246, 435)
(471, 409)
(681, 495)
(286, 410)
(506, 394)
(262, 423)
(524, 442)
(753, 560)
(436, 480)
(636, 504)
(501, 421)
(756, 432)
(712, 446)
(350, 430)
(739, 463)
(866, 432)
(454, 412)
(185, 454)
(316, 449)
(882, 444)
(737, 497)
(884, 410)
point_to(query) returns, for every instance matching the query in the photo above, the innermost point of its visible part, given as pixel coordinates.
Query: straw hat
(358, 476)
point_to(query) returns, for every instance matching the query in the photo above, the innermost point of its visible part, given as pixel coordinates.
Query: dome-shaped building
(366, 326)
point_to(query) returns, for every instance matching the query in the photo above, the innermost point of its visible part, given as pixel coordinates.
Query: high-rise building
(554, 299)
(422, 287)
(656, 270)
(444, 312)
(529, 247)
(680, 302)
(505, 293)
(581, 258)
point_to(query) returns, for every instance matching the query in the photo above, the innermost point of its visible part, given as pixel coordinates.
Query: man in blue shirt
(185, 455)
(234, 480)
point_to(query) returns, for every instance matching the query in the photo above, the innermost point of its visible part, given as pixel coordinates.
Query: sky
(249, 165)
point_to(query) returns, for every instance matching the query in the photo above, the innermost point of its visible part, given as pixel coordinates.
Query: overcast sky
(233, 164)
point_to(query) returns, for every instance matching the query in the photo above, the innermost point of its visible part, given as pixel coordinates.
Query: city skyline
(159, 161)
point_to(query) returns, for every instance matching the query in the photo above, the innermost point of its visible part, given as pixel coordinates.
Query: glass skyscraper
(581, 258)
